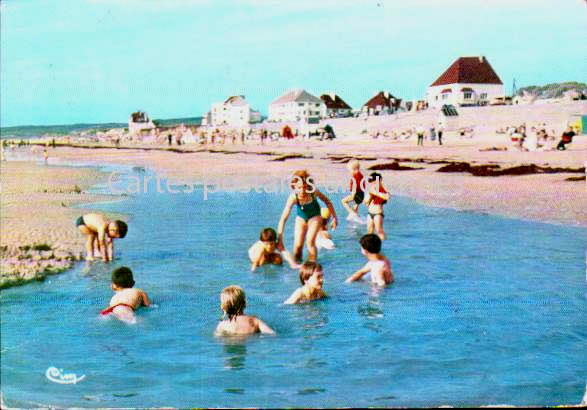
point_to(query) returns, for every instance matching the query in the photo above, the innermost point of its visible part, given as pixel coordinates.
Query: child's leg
(90, 239)
(370, 225)
(299, 236)
(314, 225)
(379, 226)
(345, 202)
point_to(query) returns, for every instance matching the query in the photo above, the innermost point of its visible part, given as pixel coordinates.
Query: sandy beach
(38, 234)
(551, 187)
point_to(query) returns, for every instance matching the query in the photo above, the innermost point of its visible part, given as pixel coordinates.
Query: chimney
(481, 58)
(332, 95)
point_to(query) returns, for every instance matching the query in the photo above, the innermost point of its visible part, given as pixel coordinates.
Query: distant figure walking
(440, 131)
(566, 138)
(420, 133)
(169, 139)
(432, 134)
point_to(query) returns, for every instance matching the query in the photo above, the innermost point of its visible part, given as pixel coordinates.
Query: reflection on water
(235, 352)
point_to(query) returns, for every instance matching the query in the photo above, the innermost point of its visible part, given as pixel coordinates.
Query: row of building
(468, 81)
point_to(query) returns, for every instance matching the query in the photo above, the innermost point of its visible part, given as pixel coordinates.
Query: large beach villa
(468, 81)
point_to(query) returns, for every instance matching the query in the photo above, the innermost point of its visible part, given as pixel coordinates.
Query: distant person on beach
(377, 197)
(308, 215)
(312, 279)
(357, 186)
(440, 131)
(46, 155)
(324, 240)
(101, 232)
(169, 137)
(378, 266)
(126, 299)
(566, 138)
(263, 252)
(420, 132)
(233, 302)
(432, 134)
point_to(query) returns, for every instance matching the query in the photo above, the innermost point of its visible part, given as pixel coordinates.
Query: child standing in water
(263, 251)
(356, 187)
(377, 197)
(98, 230)
(233, 303)
(308, 217)
(126, 298)
(312, 279)
(378, 265)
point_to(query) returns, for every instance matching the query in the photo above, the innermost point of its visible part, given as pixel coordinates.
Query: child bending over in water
(126, 299)
(357, 185)
(312, 279)
(98, 230)
(233, 303)
(308, 215)
(324, 240)
(263, 252)
(377, 197)
(378, 265)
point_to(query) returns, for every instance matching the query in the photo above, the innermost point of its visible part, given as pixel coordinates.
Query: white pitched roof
(297, 95)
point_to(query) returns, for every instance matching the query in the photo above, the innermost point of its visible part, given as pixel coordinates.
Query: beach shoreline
(552, 192)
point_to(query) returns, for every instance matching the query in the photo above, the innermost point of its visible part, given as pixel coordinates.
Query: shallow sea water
(484, 310)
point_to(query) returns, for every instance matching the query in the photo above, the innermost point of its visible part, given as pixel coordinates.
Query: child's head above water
(371, 243)
(117, 229)
(233, 301)
(269, 238)
(375, 176)
(310, 269)
(122, 278)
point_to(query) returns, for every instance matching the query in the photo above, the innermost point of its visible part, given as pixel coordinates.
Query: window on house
(444, 96)
(317, 105)
(300, 104)
(483, 96)
(468, 95)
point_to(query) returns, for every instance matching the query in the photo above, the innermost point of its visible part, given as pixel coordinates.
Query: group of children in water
(311, 229)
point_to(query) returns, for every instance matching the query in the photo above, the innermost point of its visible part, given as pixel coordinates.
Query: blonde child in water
(378, 266)
(126, 299)
(357, 185)
(308, 215)
(233, 303)
(99, 233)
(323, 239)
(263, 252)
(312, 279)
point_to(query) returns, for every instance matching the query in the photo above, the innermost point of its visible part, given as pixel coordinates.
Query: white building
(234, 112)
(139, 121)
(297, 105)
(468, 81)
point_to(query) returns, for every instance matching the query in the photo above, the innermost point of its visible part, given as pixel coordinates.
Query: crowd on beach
(311, 231)
(537, 138)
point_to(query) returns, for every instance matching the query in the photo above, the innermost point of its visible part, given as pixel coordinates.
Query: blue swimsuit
(308, 211)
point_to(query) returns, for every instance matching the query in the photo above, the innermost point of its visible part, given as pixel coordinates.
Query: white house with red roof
(234, 112)
(297, 105)
(468, 81)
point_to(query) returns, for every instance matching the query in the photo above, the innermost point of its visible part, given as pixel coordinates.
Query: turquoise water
(484, 310)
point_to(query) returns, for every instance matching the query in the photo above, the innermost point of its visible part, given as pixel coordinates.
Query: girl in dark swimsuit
(308, 218)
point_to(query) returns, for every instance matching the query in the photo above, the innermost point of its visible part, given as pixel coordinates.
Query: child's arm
(145, 299)
(294, 298)
(283, 220)
(382, 195)
(358, 274)
(290, 259)
(263, 328)
(325, 199)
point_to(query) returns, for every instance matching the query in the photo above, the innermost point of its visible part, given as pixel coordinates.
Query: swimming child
(263, 252)
(312, 280)
(101, 232)
(324, 240)
(233, 303)
(357, 185)
(308, 217)
(378, 265)
(126, 298)
(376, 198)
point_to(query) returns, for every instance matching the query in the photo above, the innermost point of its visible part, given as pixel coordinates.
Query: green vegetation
(554, 90)
(42, 247)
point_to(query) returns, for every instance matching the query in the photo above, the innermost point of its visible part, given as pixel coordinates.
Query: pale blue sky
(72, 61)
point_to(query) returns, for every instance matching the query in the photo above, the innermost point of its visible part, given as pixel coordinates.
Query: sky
(91, 61)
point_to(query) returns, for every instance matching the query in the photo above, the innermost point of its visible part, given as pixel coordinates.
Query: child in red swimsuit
(126, 298)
